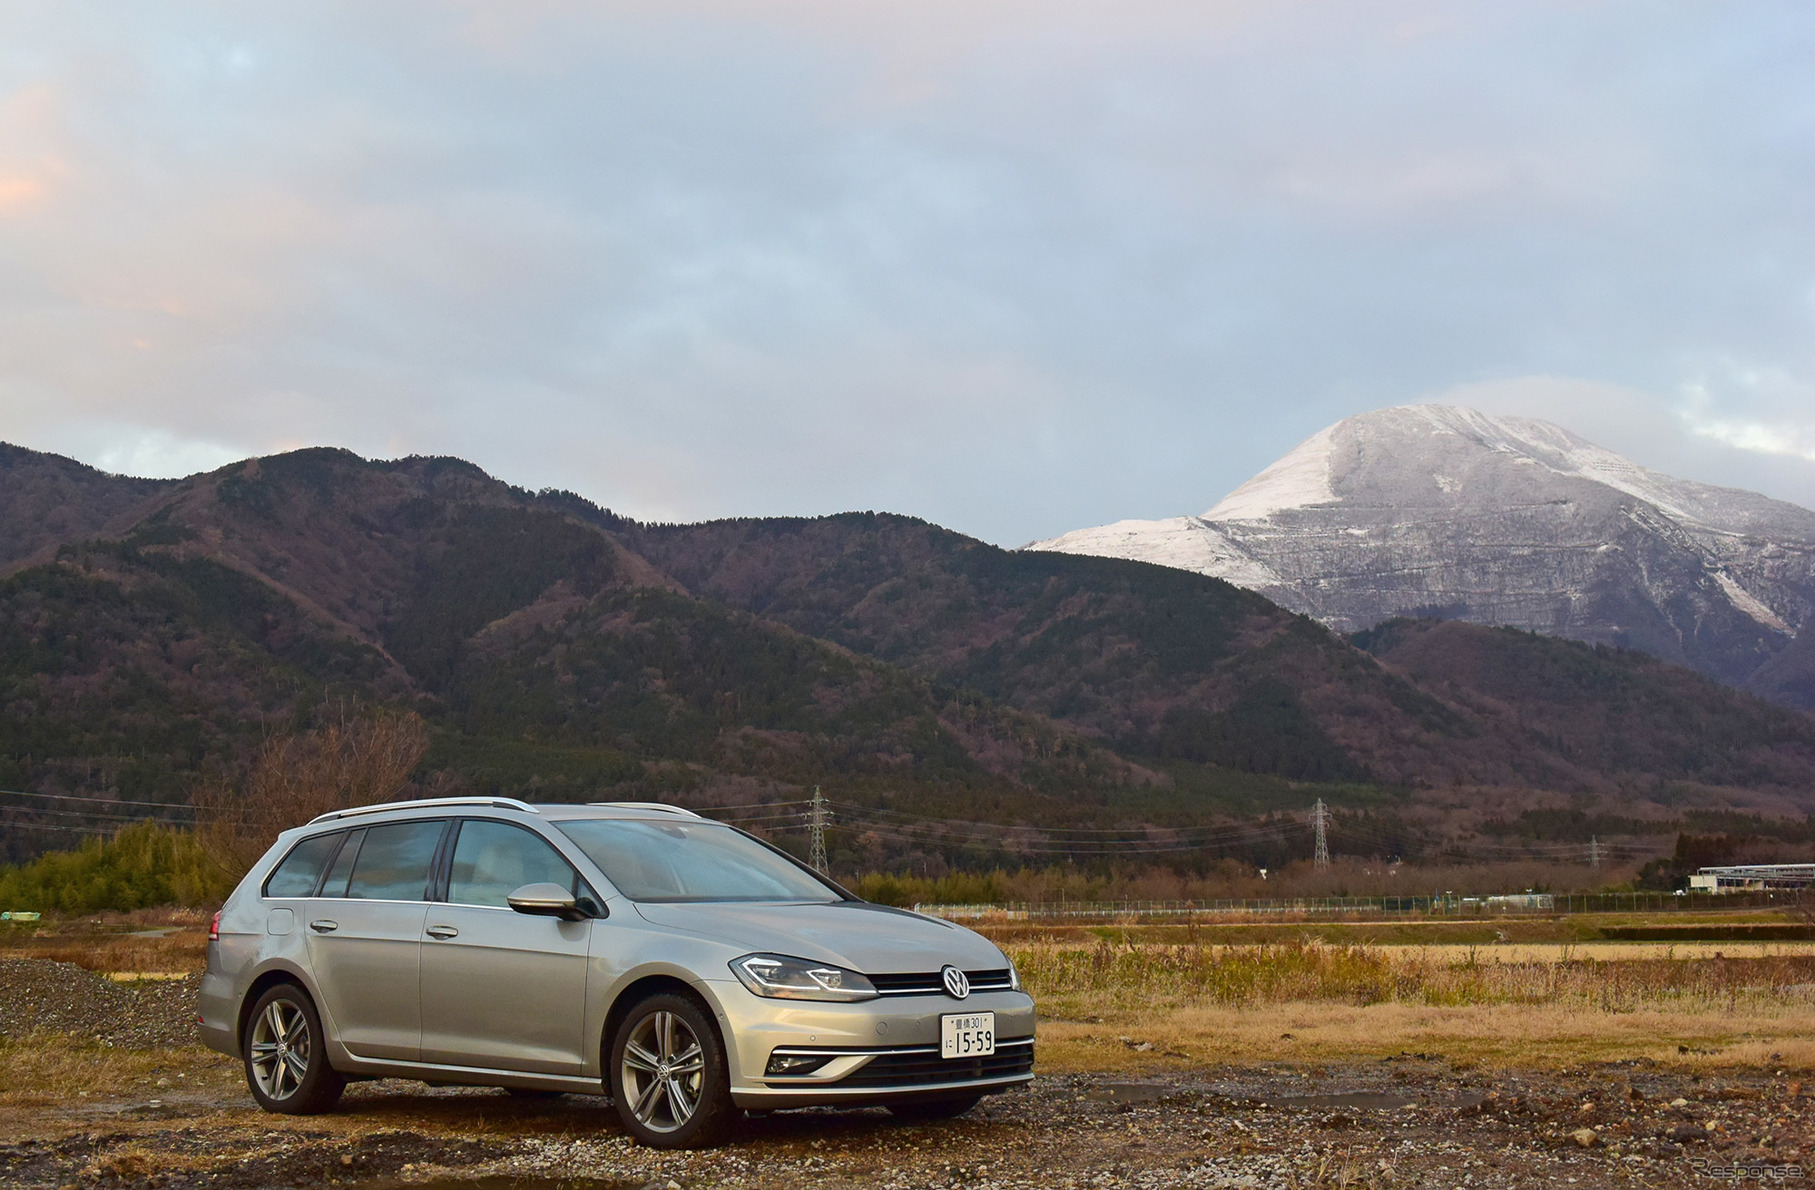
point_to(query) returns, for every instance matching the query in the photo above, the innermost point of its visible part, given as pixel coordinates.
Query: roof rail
(500, 803)
(662, 806)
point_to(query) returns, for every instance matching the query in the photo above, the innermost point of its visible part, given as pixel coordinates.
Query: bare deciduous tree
(355, 759)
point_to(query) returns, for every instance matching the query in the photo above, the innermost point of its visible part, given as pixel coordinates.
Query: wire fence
(1437, 906)
(983, 842)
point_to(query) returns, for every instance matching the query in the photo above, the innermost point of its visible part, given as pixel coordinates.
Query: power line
(914, 829)
(1031, 841)
(106, 801)
(1107, 834)
(880, 811)
(1128, 841)
(92, 815)
(72, 830)
(1098, 847)
(1546, 850)
(763, 819)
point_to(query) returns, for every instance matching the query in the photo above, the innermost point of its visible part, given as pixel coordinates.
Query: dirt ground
(106, 1096)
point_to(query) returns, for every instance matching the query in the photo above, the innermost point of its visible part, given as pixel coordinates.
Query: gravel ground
(65, 998)
(1403, 1122)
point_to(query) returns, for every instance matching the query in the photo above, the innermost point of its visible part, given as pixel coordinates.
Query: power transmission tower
(1320, 817)
(816, 825)
(1594, 852)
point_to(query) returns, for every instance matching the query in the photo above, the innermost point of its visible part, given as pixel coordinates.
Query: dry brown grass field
(1438, 1056)
(1131, 998)
(148, 941)
(1136, 1006)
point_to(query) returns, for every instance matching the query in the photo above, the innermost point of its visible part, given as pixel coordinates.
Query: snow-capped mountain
(1438, 511)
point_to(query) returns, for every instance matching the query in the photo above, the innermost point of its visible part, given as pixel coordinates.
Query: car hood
(874, 939)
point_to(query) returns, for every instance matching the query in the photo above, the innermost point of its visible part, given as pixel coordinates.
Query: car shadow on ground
(398, 1104)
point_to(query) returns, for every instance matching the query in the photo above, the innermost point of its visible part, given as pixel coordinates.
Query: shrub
(142, 865)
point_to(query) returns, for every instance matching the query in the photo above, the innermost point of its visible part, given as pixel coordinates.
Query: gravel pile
(62, 997)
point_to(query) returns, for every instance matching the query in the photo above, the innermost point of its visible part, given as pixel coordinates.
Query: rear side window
(394, 861)
(299, 872)
(494, 859)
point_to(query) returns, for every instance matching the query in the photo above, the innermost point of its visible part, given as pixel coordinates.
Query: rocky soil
(65, 998)
(1404, 1122)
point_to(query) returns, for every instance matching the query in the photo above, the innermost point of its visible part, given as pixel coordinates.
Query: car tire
(286, 1055)
(933, 1109)
(668, 1077)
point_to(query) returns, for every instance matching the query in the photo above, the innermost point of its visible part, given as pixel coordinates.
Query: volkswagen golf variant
(686, 969)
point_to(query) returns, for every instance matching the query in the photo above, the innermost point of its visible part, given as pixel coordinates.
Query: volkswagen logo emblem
(956, 985)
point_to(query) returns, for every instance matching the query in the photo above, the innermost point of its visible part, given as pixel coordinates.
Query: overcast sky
(1017, 267)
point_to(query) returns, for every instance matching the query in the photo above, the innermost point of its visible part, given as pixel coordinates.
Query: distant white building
(1515, 901)
(1753, 878)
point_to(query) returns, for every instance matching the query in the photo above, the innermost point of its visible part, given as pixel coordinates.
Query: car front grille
(927, 983)
(922, 1066)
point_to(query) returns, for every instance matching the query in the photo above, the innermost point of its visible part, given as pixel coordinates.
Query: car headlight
(782, 978)
(1014, 977)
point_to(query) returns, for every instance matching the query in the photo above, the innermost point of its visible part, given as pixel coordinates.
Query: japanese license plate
(967, 1036)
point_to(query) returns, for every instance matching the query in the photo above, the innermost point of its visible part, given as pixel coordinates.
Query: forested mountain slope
(1599, 709)
(560, 651)
(552, 660)
(46, 500)
(1166, 663)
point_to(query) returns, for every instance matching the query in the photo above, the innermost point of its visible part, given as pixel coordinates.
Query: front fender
(629, 960)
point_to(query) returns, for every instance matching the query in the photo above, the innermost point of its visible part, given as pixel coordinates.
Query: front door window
(494, 859)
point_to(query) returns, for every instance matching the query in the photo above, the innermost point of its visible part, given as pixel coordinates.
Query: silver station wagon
(684, 968)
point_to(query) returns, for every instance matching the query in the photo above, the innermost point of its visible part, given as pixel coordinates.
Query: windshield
(691, 861)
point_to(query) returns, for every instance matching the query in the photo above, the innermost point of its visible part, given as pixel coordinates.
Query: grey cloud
(1014, 267)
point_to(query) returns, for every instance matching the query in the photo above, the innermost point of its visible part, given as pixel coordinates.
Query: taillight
(214, 927)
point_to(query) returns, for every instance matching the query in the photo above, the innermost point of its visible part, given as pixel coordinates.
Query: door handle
(324, 926)
(443, 932)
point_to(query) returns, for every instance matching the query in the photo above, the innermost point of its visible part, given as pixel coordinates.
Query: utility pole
(1594, 852)
(816, 826)
(1320, 817)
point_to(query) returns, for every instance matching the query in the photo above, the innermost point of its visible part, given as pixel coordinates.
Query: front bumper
(879, 1050)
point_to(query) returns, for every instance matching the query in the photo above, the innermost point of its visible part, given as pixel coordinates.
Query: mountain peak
(1446, 511)
(1452, 443)
(1301, 479)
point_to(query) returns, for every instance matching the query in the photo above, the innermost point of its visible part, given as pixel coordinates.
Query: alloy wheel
(663, 1071)
(281, 1049)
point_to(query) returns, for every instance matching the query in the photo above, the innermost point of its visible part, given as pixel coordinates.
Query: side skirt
(468, 1076)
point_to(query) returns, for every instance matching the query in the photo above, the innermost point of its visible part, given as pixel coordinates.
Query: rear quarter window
(300, 871)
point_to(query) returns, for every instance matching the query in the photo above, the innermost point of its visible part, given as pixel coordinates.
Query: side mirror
(546, 900)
